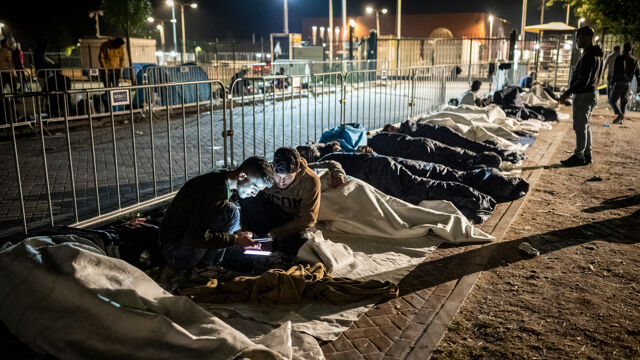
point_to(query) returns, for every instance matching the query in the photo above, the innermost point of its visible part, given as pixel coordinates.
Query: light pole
(314, 31)
(581, 20)
(399, 19)
(330, 31)
(286, 18)
(523, 24)
(490, 35)
(92, 14)
(568, 11)
(172, 3)
(377, 11)
(161, 29)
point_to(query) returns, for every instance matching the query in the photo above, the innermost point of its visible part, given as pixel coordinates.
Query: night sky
(63, 25)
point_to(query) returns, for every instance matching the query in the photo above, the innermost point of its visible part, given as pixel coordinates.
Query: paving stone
(342, 344)
(399, 348)
(412, 332)
(363, 322)
(362, 333)
(327, 348)
(390, 331)
(373, 356)
(381, 342)
(399, 320)
(364, 346)
(345, 355)
(380, 320)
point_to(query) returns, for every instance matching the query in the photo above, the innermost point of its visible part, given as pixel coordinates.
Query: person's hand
(244, 239)
(338, 181)
(563, 98)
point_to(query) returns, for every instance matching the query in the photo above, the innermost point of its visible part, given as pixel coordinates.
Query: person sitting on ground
(201, 219)
(470, 97)
(528, 80)
(449, 137)
(285, 211)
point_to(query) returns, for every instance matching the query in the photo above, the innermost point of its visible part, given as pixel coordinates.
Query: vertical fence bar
(198, 126)
(153, 149)
(184, 137)
(46, 166)
(93, 158)
(17, 162)
(169, 139)
(133, 146)
(68, 135)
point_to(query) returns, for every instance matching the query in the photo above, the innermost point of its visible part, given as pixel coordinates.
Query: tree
(129, 16)
(618, 17)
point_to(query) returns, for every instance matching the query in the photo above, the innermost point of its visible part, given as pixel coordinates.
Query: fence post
(413, 91)
(343, 99)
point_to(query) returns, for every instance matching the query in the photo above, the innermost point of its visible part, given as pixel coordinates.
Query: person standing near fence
(624, 69)
(111, 59)
(608, 67)
(6, 66)
(584, 87)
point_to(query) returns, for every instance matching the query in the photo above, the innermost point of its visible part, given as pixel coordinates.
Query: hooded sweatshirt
(584, 78)
(301, 199)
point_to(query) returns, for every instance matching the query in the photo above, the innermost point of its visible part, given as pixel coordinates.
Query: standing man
(584, 87)
(201, 220)
(111, 59)
(624, 69)
(608, 68)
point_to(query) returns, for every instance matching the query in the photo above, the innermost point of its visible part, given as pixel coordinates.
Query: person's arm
(583, 73)
(338, 176)
(306, 216)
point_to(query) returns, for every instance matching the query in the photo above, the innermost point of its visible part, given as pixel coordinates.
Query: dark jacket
(585, 76)
(625, 68)
(193, 211)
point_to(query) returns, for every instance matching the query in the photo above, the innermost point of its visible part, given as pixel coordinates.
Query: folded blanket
(298, 284)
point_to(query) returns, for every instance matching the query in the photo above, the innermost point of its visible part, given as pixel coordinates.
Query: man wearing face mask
(201, 220)
(584, 87)
(287, 209)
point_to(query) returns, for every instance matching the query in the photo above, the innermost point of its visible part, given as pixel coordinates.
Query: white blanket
(536, 96)
(62, 296)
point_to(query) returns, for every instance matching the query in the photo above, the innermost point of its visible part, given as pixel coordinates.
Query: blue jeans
(183, 256)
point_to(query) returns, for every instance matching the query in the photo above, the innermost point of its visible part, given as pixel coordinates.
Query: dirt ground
(581, 297)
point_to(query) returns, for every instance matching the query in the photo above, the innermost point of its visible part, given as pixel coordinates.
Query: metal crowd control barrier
(274, 111)
(106, 168)
(79, 78)
(151, 138)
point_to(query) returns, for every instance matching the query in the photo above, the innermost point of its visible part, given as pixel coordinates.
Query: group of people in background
(621, 68)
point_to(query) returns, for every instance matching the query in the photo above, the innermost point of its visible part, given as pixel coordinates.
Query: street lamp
(150, 19)
(377, 11)
(314, 31)
(490, 35)
(322, 33)
(581, 20)
(161, 29)
(172, 3)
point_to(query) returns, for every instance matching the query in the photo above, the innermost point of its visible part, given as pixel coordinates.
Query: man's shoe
(618, 119)
(587, 159)
(574, 160)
